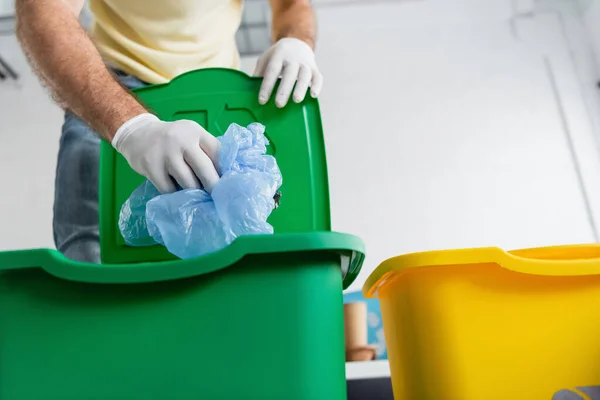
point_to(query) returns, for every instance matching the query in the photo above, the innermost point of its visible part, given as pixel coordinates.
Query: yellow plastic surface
(485, 324)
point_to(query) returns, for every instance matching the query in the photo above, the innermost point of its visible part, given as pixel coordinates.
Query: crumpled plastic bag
(191, 223)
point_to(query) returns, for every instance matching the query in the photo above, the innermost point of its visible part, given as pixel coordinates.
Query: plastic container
(260, 319)
(215, 98)
(488, 324)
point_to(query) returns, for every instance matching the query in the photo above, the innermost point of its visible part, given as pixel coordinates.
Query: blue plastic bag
(191, 223)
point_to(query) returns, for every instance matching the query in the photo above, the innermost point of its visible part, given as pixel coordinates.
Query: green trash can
(260, 319)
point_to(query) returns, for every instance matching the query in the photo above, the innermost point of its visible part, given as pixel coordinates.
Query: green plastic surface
(215, 98)
(349, 249)
(269, 326)
(260, 319)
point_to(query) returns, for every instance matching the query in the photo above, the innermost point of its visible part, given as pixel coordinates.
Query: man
(145, 41)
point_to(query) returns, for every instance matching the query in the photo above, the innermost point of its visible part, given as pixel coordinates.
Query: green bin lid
(215, 98)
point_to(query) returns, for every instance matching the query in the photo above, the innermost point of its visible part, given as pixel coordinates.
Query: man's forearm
(67, 62)
(294, 19)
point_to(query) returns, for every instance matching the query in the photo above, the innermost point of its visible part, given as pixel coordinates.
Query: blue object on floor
(374, 322)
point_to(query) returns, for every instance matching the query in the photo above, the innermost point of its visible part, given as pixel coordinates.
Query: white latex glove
(294, 61)
(160, 150)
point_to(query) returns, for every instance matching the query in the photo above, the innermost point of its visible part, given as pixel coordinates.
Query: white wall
(592, 22)
(444, 133)
(29, 133)
(6, 7)
(448, 125)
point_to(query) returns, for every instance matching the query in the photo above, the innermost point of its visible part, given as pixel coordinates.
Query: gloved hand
(160, 150)
(294, 60)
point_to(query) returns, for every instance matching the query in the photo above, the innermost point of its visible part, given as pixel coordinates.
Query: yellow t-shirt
(156, 40)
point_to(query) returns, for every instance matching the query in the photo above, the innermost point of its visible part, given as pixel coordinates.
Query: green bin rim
(56, 264)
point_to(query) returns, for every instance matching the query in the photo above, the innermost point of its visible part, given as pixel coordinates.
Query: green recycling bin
(260, 319)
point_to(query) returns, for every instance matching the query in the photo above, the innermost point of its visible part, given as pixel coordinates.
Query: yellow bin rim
(571, 260)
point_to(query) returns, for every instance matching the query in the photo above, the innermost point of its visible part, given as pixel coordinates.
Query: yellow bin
(486, 324)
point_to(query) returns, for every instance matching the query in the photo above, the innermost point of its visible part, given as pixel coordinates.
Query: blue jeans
(75, 221)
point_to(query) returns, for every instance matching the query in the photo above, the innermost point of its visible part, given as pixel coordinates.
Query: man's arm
(292, 56)
(67, 62)
(294, 19)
